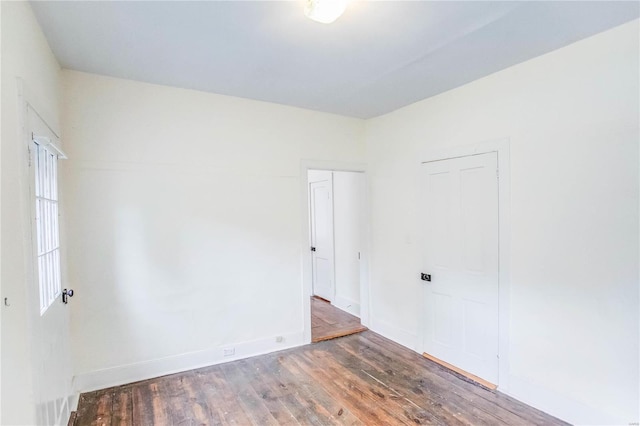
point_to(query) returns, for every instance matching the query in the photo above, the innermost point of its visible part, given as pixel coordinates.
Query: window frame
(43, 159)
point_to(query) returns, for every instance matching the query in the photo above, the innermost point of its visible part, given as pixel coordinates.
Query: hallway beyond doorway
(329, 322)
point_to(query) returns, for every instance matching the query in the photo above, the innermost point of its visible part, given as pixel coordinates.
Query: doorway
(335, 219)
(460, 246)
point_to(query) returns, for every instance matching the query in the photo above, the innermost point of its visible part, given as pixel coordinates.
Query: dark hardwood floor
(361, 379)
(329, 322)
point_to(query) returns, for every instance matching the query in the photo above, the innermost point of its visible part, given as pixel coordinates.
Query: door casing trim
(307, 283)
(28, 102)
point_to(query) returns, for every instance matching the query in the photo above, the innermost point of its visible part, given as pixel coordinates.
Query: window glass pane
(41, 283)
(54, 194)
(58, 275)
(47, 278)
(34, 159)
(43, 172)
(56, 229)
(51, 159)
(38, 222)
(47, 225)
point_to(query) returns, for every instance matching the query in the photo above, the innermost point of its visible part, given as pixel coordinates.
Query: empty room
(319, 212)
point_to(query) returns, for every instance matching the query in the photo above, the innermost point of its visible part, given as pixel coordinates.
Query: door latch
(425, 277)
(66, 294)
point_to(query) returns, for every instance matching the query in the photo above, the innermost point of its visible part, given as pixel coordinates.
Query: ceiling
(379, 56)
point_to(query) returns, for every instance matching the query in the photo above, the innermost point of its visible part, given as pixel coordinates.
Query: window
(47, 233)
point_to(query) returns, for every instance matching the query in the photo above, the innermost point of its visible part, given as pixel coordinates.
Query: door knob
(66, 294)
(313, 249)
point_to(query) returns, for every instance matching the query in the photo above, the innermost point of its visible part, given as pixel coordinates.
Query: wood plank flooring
(329, 322)
(361, 379)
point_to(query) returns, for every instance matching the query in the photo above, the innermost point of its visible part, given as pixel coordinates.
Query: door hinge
(29, 155)
(498, 173)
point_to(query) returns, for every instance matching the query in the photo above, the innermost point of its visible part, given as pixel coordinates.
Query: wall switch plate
(425, 277)
(229, 351)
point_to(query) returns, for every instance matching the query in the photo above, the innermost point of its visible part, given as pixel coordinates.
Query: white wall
(1, 300)
(172, 193)
(184, 222)
(348, 203)
(572, 120)
(25, 54)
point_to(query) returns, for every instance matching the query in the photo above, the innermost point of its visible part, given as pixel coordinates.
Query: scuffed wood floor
(361, 379)
(329, 322)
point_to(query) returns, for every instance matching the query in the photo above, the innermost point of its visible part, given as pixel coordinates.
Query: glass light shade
(325, 11)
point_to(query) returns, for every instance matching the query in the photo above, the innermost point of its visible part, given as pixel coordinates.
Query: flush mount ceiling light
(325, 11)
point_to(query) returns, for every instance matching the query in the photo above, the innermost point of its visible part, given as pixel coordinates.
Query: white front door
(51, 356)
(321, 213)
(460, 252)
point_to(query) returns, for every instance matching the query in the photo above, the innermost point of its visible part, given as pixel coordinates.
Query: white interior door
(321, 215)
(460, 251)
(49, 316)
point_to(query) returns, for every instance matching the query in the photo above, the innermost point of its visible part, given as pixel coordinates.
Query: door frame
(502, 149)
(307, 278)
(27, 100)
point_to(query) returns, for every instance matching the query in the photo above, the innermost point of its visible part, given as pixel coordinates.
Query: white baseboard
(403, 337)
(72, 401)
(559, 405)
(120, 375)
(543, 399)
(349, 306)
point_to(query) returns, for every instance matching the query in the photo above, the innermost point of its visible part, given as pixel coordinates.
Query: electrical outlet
(279, 339)
(229, 351)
